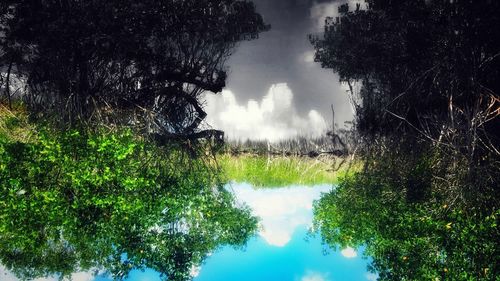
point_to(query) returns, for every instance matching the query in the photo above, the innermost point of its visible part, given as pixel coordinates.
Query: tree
(72, 202)
(430, 239)
(428, 73)
(426, 201)
(428, 67)
(134, 62)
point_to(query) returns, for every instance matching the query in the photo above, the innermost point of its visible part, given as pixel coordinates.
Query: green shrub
(78, 200)
(279, 171)
(408, 239)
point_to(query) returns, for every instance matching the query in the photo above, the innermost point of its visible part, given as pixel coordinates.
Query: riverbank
(257, 169)
(279, 171)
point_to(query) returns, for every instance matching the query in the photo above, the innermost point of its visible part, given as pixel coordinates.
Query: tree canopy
(423, 78)
(428, 74)
(429, 240)
(109, 202)
(134, 62)
(76, 195)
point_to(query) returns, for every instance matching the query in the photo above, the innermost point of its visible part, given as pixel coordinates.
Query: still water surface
(283, 250)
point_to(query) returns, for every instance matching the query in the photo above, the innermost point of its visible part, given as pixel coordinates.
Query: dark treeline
(427, 203)
(141, 63)
(341, 144)
(99, 101)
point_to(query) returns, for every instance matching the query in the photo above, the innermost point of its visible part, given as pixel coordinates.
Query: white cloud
(349, 253)
(281, 210)
(82, 276)
(319, 11)
(273, 118)
(195, 271)
(315, 276)
(6, 275)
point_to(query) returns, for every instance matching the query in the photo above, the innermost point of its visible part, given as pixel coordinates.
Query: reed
(280, 171)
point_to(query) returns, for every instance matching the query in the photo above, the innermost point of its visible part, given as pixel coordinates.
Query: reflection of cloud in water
(314, 276)
(195, 271)
(6, 275)
(349, 253)
(281, 210)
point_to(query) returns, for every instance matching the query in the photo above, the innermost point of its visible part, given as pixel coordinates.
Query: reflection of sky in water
(282, 211)
(298, 260)
(281, 252)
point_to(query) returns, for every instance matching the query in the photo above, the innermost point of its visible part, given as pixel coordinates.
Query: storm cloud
(284, 55)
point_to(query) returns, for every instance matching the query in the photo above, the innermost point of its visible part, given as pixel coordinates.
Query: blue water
(297, 260)
(282, 251)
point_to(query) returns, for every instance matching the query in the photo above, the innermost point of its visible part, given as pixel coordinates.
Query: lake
(283, 249)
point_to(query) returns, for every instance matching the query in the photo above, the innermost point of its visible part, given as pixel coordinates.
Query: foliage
(78, 200)
(134, 62)
(428, 74)
(279, 171)
(428, 240)
(73, 197)
(426, 69)
(14, 124)
(426, 203)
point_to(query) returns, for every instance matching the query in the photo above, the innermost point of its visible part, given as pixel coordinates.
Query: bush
(81, 200)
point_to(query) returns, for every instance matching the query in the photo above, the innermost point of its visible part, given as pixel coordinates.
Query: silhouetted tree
(428, 72)
(422, 65)
(423, 77)
(135, 62)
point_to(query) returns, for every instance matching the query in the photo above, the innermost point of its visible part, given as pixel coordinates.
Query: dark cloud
(283, 55)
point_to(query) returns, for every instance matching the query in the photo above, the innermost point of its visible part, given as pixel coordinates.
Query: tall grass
(261, 171)
(14, 125)
(296, 146)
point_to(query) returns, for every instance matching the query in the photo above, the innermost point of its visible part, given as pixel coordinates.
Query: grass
(281, 171)
(14, 124)
(257, 170)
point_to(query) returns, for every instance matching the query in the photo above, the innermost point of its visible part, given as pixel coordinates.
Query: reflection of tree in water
(426, 204)
(406, 240)
(109, 202)
(77, 201)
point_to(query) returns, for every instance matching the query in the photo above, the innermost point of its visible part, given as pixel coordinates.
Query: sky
(275, 90)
